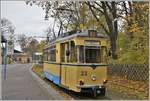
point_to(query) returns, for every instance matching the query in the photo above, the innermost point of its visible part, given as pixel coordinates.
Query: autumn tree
(41, 46)
(51, 35)
(27, 44)
(133, 41)
(22, 40)
(7, 30)
(7, 27)
(109, 11)
(75, 15)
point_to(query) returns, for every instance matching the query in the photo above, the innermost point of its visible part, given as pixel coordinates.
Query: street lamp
(4, 54)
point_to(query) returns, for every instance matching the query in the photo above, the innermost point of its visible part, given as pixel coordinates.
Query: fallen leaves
(136, 89)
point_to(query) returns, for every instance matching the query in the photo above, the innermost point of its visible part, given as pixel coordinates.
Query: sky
(27, 19)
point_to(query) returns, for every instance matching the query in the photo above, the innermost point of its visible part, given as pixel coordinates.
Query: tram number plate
(83, 73)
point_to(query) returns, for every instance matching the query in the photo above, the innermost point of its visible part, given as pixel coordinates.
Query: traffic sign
(10, 47)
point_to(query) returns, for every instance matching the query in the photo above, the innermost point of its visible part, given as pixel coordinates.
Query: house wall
(22, 58)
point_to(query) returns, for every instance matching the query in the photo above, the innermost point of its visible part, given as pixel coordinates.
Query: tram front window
(91, 54)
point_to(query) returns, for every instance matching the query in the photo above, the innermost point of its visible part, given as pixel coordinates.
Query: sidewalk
(46, 87)
(20, 85)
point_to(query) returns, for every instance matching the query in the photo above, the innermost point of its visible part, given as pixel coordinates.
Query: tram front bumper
(92, 89)
(90, 86)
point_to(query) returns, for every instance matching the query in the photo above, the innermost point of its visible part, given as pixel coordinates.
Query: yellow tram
(78, 62)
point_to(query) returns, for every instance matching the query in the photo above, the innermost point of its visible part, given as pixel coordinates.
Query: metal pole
(3, 49)
(84, 52)
(5, 60)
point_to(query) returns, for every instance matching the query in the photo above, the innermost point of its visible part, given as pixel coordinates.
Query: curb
(46, 87)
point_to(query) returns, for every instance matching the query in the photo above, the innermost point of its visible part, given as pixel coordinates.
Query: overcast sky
(27, 19)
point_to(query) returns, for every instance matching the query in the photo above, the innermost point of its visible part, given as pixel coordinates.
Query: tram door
(64, 59)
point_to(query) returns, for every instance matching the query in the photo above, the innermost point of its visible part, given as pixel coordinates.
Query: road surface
(20, 85)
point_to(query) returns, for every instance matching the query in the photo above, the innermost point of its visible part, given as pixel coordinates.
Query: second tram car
(78, 62)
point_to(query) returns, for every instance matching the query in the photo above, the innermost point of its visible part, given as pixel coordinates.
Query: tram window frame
(67, 52)
(62, 52)
(92, 55)
(82, 54)
(73, 52)
(52, 53)
(46, 55)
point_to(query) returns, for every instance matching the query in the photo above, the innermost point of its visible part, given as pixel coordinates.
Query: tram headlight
(105, 81)
(81, 82)
(93, 77)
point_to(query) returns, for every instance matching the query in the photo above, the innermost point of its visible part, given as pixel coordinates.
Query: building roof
(3, 39)
(16, 51)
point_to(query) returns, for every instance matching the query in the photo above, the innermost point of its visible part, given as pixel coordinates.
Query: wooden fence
(129, 71)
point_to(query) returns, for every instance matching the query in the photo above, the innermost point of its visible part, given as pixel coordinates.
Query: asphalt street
(20, 85)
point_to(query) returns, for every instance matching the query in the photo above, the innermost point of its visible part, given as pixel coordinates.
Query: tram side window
(53, 53)
(73, 52)
(67, 51)
(48, 54)
(62, 52)
(81, 54)
(45, 56)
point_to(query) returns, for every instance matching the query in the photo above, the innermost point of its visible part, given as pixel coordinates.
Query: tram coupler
(98, 91)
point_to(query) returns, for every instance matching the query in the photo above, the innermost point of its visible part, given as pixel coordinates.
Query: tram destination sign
(92, 42)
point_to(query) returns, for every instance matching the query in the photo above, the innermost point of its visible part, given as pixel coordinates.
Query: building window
(28, 60)
(20, 59)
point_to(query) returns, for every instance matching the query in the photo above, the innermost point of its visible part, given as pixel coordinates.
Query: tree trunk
(60, 28)
(113, 48)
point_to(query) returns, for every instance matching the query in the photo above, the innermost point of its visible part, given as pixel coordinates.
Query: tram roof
(66, 36)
